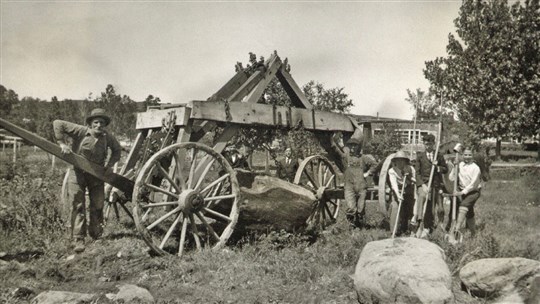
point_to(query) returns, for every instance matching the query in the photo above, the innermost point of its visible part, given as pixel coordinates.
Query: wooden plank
(269, 75)
(154, 118)
(272, 64)
(263, 115)
(230, 87)
(293, 90)
(134, 152)
(76, 160)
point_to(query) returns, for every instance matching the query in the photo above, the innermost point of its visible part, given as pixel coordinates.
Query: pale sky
(182, 51)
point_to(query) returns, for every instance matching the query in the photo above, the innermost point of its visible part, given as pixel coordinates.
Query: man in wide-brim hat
(91, 142)
(401, 173)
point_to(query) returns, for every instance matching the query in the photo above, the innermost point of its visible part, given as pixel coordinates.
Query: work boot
(471, 224)
(451, 239)
(359, 220)
(78, 246)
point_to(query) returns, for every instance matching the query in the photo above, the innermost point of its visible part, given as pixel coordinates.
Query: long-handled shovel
(431, 175)
(454, 235)
(399, 205)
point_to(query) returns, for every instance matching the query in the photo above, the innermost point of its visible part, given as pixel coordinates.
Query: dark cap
(98, 112)
(429, 138)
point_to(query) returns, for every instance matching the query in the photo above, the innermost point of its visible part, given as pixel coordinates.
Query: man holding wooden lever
(92, 142)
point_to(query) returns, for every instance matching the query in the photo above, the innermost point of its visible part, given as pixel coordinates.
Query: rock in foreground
(403, 270)
(63, 297)
(487, 277)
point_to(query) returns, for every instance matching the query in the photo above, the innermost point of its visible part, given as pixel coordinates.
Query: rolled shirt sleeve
(62, 128)
(116, 150)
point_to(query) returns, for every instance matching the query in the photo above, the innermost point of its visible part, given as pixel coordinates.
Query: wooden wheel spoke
(162, 204)
(195, 231)
(170, 231)
(219, 197)
(168, 177)
(333, 203)
(182, 237)
(330, 181)
(320, 173)
(158, 189)
(322, 211)
(218, 215)
(162, 218)
(324, 175)
(311, 180)
(178, 171)
(327, 209)
(208, 227)
(203, 174)
(145, 215)
(192, 169)
(215, 183)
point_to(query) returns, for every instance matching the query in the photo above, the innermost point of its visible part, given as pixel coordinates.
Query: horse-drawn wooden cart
(186, 195)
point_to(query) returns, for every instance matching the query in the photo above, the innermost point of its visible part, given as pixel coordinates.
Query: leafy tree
(122, 110)
(384, 143)
(334, 99)
(7, 99)
(491, 74)
(151, 101)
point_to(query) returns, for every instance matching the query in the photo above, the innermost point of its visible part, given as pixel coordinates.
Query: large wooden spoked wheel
(384, 193)
(186, 198)
(317, 174)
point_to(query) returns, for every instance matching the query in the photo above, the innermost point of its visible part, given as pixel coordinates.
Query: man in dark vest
(424, 162)
(91, 142)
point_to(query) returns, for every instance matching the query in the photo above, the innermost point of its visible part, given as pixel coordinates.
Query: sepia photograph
(270, 151)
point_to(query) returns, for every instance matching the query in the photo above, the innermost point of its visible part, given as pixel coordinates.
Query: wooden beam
(230, 87)
(154, 118)
(267, 115)
(131, 160)
(293, 90)
(76, 160)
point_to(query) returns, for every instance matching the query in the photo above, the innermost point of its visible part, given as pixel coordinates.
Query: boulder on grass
(403, 270)
(63, 297)
(129, 293)
(271, 204)
(488, 277)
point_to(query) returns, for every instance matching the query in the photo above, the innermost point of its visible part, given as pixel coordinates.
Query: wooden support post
(267, 163)
(53, 164)
(14, 151)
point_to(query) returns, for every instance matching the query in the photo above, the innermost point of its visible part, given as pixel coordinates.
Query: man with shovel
(402, 177)
(468, 192)
(423, 166)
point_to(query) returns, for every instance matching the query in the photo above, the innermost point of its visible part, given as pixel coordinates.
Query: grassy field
(277, 267)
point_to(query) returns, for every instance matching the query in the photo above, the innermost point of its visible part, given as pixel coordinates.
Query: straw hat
(401, 155)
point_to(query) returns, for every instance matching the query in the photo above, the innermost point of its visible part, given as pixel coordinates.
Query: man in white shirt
(469, 184)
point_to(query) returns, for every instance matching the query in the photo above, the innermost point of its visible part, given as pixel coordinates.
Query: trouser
(405, 213)
(356, 201)
(435, 206)
(466, 210)
(78, 182)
